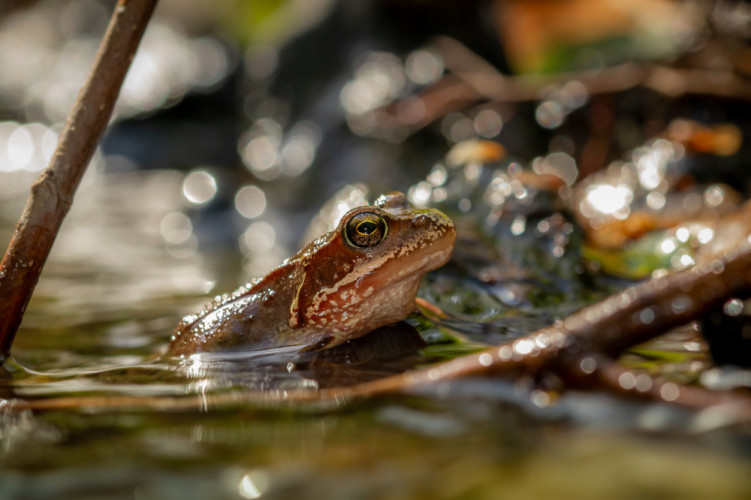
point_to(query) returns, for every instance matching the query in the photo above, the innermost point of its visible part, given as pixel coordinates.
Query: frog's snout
(434, 219)
(438, 225)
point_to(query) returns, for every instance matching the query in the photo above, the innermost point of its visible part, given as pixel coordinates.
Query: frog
(344, 284)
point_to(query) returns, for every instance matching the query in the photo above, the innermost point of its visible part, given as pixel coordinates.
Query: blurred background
(584, 138)
(267, 108)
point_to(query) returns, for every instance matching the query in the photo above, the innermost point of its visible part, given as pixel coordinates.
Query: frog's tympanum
(350, 281)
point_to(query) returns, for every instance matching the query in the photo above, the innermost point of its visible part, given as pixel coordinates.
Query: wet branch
(52, 194)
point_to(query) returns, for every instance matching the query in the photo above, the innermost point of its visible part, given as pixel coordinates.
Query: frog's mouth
(417, 265)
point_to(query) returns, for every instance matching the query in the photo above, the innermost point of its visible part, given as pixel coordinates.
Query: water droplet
(643, 383)
(459, 128)
(576, 94)
(472, 171)
(485, 359)
(656, 200)
(733, 307)
(682, 261)
(542, 341)
(543, 227)
(607, 200)
(439, 194)
(505, 353)
(254, 484)
(705, 235)
(668, 246)
(519, 225)
(549, 114)
(670, 391)
(714, 196)
(423, 67)
(523, 346)
(20, 149)
(250, 202)
(718, 266)
(488, 123)
(260, 237)
(647, 315)
(680, 304)
(540, 398)
(419, 194)
(199, 187)
(465, 205)
(560, 164)
(627, 380)
(588, 365)
(437, 176)
(176, 228)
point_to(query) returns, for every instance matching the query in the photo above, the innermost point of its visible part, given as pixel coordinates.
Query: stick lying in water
(52, 194)
(578, 348)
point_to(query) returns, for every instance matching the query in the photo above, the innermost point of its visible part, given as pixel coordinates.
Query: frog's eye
(365, 229)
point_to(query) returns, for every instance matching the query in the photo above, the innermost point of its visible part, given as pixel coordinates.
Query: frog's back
(256, 314)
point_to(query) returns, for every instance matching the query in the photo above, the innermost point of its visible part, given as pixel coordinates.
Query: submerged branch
(52, 194)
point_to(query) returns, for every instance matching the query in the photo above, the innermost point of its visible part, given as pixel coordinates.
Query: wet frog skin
(346, 283)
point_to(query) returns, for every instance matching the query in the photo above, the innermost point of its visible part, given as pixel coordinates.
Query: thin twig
(52, 194)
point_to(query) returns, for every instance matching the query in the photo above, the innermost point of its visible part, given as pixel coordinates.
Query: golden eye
(365, 229)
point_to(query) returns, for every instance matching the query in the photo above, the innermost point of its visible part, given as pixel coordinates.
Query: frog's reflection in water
(385, 351)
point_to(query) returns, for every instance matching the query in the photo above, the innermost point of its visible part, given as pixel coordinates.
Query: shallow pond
(110, 297)
(142, 247)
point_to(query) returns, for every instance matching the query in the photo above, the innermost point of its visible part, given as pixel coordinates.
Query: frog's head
(365, 273)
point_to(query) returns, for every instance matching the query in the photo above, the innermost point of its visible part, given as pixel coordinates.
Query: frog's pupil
(367, 227)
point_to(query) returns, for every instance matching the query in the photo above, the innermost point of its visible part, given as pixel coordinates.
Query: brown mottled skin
(332, 290)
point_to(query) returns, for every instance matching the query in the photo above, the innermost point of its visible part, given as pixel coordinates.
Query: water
(139, 250)
(115, 288)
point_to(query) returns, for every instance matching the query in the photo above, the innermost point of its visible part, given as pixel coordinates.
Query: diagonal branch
(52, 194)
